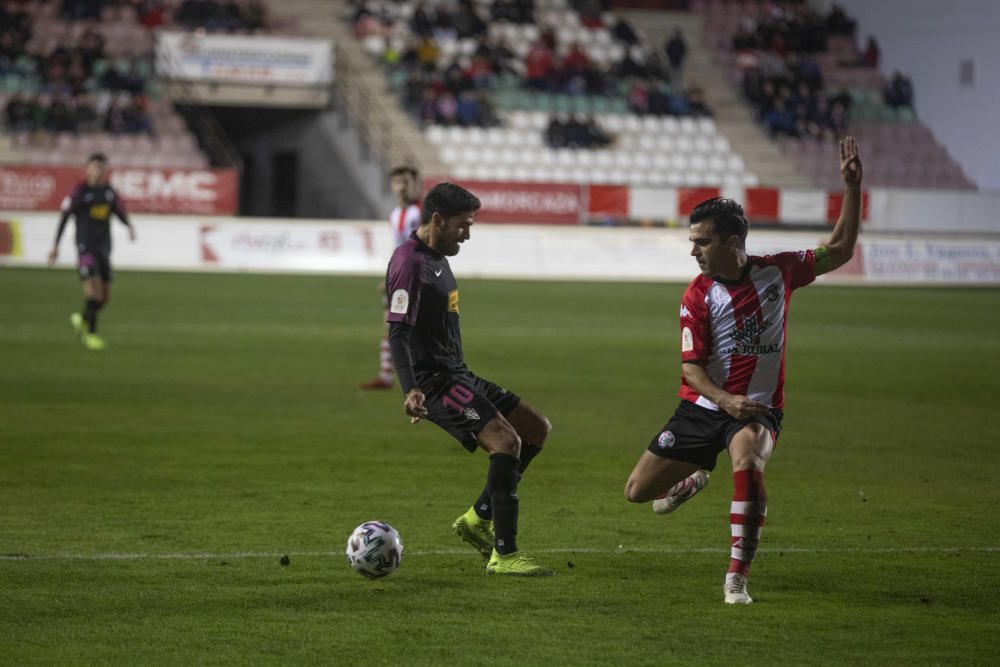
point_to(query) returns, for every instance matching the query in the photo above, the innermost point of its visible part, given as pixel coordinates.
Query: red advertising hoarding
(144, 190)
(525, 203)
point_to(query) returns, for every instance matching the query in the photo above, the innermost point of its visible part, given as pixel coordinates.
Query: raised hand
(850, 161)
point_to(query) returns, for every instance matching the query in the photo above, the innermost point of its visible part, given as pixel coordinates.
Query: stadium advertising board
(526, 203)
(203, 243)
(290, 246)
(244, 59)
(175, 191)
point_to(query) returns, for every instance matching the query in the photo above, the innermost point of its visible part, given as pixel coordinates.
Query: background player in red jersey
(734, 322)
(404, 220)
(91, 204)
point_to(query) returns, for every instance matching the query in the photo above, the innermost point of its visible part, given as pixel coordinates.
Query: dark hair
(403, 170)
(97, 157)
(726, 216)
(449, 200)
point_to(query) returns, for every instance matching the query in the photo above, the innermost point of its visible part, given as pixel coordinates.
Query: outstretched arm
(839, 248)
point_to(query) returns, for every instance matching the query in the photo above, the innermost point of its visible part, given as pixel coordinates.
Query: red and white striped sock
(746, 518)
(385, 370)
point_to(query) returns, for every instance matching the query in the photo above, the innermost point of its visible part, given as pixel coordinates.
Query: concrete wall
(927, 39)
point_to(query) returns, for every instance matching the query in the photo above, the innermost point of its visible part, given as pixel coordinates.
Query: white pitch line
(459, 552)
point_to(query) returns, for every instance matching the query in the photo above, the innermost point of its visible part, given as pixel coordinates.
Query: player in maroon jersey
(734, 323)
(92, 204)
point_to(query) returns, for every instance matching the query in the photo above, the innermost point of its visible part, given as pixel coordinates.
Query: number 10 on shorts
(458, 398)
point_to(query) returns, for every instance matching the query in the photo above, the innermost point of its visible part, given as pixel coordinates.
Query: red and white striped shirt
(404, 221)
(739, 329)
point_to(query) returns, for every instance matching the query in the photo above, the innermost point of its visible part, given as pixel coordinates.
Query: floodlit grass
(150, 490)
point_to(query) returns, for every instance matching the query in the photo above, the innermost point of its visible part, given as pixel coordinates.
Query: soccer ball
(374, 549)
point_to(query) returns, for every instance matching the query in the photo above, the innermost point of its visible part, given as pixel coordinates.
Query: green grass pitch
(148, 492)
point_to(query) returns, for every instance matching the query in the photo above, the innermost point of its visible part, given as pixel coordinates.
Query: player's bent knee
(632, 492)
(499, 437)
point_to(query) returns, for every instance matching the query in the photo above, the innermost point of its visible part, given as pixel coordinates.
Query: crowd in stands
(575, 132)
(215, 16)
(458, 91)
(79, 114)
(782, 78)
(74, 88)
(211, 15)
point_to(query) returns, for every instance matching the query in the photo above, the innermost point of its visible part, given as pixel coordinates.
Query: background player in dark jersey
(426, 346)
(91, 204)
(734, 320)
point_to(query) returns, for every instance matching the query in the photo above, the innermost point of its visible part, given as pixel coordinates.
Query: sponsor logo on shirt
(471, 414)
(748, 338)
(453, 301)
(400, 302)
(684, 311)
(100, 211)
(771, 293)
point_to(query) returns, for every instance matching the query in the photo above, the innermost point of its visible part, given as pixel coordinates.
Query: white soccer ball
(374, 549)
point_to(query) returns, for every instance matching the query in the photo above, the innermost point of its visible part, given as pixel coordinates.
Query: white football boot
(671, 502)
(736, 589)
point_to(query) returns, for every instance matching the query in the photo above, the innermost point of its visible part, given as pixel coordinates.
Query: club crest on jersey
(471, 414)
(771, 293)
(666, 440)
(453, 301)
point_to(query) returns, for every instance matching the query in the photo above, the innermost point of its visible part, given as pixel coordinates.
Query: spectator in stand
(557, 133)
(899, 91)
(151, 13)
(467, 109)
(577, 132)
(428, 106)
(447, 109)
(115, 120)
(137, 120)
(539, 66)
(696, 104)
(839, 23)
(225, 17)
(60, 118)
(81, 10)
(676, 50)
(515, 11)
(86, 113)
(420, 22)
(428, 53)
(20, 115)
(623, 32)
(780, 120)
(871, 55)
(91, 47)
(589, 11)
(466, 22)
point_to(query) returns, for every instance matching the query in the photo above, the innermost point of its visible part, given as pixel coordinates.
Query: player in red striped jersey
(404, 220)
(734, 324)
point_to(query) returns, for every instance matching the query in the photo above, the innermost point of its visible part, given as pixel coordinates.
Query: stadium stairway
(361, 87)
(732, 116)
